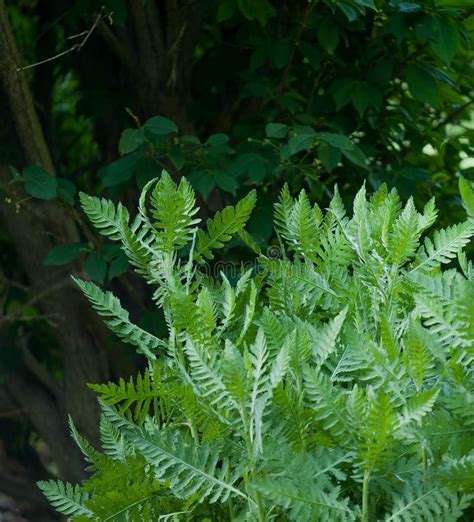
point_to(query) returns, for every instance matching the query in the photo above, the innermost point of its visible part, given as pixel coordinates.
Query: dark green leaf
(202, 181)
(226, 181)
(276, 130)
(329, 156)
(351, 13)
(311, 53)
(177, 158)
(118, 266)
(120, 170)
(130, 140)
(300, 142)
(160, 126)
(66, 190)
(96, 267)
(217, 139)
(225, 10)
(39, 184)
(360, 97)
(64, 254)
(281, 51)
(328, 35)
(422, 85)
(356, 156)
(336, 140)
(447, 43)
(342, 92)
(146, 170)
(251, 164)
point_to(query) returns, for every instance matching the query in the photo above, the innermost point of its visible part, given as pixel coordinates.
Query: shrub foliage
(329, 383)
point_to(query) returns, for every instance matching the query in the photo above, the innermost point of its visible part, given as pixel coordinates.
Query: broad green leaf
(63, 254)
(66, 190)
(160, 126)
(300, 142)
(96, 267)
(422, 85)
(276, 130)
(40, 184)
(447, 43)
(360, 97)
(118, 266)
(356, 156)
(130, 140)
(120, 171)
(328, 35)
(339, 141)
(217, 139)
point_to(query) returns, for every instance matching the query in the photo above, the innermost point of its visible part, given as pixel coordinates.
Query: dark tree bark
(34, 230)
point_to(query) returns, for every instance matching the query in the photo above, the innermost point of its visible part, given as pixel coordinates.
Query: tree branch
(20, 98)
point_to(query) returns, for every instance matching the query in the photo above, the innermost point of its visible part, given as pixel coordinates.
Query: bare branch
(75, 47)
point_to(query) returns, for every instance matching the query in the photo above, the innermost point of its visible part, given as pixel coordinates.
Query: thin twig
(76, 47)
(453, 115)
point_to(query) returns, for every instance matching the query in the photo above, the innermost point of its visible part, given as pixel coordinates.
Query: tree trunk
(34, 230)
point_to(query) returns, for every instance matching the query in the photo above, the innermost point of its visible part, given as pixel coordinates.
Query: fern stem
(365, 497)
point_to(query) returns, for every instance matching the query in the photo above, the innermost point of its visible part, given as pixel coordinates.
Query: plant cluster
(333, 383)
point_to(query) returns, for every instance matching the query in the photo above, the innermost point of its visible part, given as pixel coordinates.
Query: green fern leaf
(444, 247)
(418, 503)
(65, 498)
(405, 235)
(226, 223)
(118, 321)
(458, 474)
(173, 209)
(377, 435)
(141, 394)
(113, 221)
(191, 471)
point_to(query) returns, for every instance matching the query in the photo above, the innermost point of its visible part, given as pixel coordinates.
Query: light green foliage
(335, 384)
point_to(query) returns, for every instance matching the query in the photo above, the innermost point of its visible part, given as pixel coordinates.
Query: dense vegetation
(231, 95)
(328, 384)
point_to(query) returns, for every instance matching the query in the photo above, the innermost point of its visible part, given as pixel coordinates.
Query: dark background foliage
(233, 94)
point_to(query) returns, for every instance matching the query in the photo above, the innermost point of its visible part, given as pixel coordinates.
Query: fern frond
(304, 499)
(326, 338)
(65, 498)
(378, 434)
(87, 450)
(225, 224)
(302, 227)
(118, 320)
(458, 474)
(444, 247)
(192, 471)
(141, 394)
(327, 402)
(417, 503)
(282, 212)
(419, 405)
(207, 378)
(404, 236)
(173, 208)
(113, 442)
(113, 221)
(417, 356)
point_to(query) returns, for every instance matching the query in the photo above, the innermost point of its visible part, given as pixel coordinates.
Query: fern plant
(332, 383)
